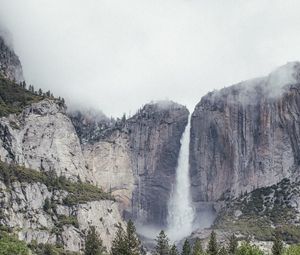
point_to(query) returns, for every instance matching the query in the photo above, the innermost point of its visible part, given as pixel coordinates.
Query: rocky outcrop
(42, 137)
(10, 66)
(23, 210)
(246, 136)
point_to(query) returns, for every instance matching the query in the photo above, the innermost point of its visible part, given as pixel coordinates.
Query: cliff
(10, 65)
(136, 158)
(246, 136)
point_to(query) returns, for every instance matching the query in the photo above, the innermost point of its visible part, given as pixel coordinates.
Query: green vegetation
(212, 248)
(262, 211)
(126, 242)
(9, 244)
(14, 97)
(66, 220)
(93, 244)
(162, 244)
(79, 192)
(197, 248)
(49, 249)
(186, 249)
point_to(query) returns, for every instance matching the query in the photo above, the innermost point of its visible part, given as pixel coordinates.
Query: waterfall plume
(180, 209)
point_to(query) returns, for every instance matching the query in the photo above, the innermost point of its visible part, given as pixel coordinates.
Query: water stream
(180, 210)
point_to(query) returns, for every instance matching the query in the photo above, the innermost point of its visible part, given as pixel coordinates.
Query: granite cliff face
(42, 137)
(246, 136)
(10, 65)
(136, 158)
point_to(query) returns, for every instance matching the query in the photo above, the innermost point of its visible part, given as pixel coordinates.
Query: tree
(223, 251)
(119, 243)
(197, 248)
(277, 248)
(233, 245)
(212, 248)
(93, 244)
(162, 244)
(248, 249)
(173, 250)
(40, 92)
(133, 243)
(293, 250)
(186, 249)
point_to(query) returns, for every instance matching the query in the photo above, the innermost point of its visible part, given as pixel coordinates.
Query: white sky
(117, 55)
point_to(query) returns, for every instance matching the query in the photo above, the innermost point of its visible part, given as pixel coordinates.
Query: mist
(115, 55)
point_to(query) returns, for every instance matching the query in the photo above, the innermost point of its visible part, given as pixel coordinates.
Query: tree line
(126, 242)
(39, 92)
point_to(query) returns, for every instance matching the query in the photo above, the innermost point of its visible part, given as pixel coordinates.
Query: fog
(116, 55)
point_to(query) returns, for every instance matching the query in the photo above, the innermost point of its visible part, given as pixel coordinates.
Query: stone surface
(42, 137)
(10, 66)
(22, 209)
(246, 136)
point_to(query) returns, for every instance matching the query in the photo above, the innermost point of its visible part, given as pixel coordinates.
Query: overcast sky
(116, 55)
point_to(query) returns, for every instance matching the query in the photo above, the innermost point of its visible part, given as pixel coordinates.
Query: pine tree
(162, 244)
(133, 243)
(233, 245)
(223, 251)
(173, 250)
(277, 248)
(119, 246)
(93, 244)
(186, 249)
(212, 248)
(197, 248)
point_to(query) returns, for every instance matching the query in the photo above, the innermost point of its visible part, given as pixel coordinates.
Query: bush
(9, 245)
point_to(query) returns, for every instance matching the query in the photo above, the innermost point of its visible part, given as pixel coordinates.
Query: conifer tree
(162, 244)
(133, 243)
(186, 249)
(212, 248)
(173, 250)
(277, 248)
(197, 248)
(223, 251)
(93, 244)
(233, 245)
(119, 246)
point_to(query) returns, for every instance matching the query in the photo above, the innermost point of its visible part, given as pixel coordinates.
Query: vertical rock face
(42, 137)
(136, 158)
(246, 136)
(155, 134)
(10, 66)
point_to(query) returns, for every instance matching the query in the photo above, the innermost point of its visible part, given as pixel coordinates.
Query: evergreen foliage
(10, 245)
(223, 251)
(162, 244)
(233, 245)
(212, 248)
(197, 248)
(277, 248)
(248, 249)
(93, 244)
(173, 250)
(186, 249)
(126, 243)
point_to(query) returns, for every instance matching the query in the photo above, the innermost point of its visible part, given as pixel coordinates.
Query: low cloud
(117, 55)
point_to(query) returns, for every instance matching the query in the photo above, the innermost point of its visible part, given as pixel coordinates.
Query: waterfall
(180, 209)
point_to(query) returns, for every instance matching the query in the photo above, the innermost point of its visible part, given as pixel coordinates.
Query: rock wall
(10, 65)
(246, 136)
(42, 137)
(136, 158)
(22, 209)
